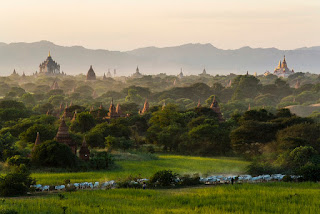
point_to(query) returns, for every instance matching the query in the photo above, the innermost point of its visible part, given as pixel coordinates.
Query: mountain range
(192, 58)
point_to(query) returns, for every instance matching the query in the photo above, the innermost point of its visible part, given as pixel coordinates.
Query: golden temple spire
(49, 55)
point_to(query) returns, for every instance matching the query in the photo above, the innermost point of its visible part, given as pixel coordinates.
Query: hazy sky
(129, 24)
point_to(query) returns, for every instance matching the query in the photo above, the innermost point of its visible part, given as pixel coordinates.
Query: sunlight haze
(125, 24)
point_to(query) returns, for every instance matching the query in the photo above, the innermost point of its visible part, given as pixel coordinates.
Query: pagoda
(145, 107)
(199, 104)
(91, 75)
(49, 66)
(282, 70)
(84, 152)
(37, 142)
(215, 107)
(63, 136)
(137, 74)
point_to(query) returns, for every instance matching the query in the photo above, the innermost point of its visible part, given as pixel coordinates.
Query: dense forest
(255, 125)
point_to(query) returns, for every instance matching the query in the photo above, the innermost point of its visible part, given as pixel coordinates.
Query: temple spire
(163, 105)
(49, 55)
(199, 104)
(37, 142)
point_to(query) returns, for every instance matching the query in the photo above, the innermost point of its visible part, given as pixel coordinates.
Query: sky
(129, 24)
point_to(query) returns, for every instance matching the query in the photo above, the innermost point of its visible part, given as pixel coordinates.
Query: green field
(241, 198)
(146, 168)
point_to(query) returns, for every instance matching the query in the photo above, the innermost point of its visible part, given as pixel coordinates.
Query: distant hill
(151, 60)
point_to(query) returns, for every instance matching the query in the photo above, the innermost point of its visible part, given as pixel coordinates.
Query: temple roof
(63, 131)
(37, 142)
(91, 75)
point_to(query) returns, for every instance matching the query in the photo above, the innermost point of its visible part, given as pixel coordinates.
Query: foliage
(100, 160)
(16, 183)
(17, 160)
(84, 122)
(53, 154)
(164, 178)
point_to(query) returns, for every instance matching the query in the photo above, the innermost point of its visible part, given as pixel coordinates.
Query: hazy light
(128, 24)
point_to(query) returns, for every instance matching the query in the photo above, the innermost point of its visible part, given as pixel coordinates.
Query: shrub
(287, 178)
(53, 154)
(129, 182)
(310, 172)
(100, 160)
(6, 211)
(257, 168)
(16, 183)
(17, 160)
(188, 180)
(164, 178)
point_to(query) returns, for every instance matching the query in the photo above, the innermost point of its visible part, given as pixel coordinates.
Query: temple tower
(84, 152)
(63, 136)
(145, 107)
(215, 107)
(37, 142)
(91, 75)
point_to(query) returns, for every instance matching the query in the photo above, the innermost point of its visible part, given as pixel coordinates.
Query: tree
(6, 143)
(47, 132)
(133, 96)
(118, 143)
(299, 135)
(246, 86)
(83, 122)
(53, 154)
(16, 183)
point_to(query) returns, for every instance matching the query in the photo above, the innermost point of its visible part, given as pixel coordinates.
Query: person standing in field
(144, 185)
(232, 180)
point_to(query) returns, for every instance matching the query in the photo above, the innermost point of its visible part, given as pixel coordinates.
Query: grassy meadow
(147, 167)
(241, 198)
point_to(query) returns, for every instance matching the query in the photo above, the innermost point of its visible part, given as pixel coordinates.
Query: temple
(37, 142)
(84, 152)
(215, 107)
(137, 74)
(49, 66)
(282, 70)
(199, 104)
(145, 107)
(114, 111)
(91, 75)
(63, 136)
(180, 75)
(109, 73)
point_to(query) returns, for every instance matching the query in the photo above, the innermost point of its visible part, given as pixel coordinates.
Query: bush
(17, 160)
(310, 172)
(16, 183)
(188, 180)
(129, 182)
(257, 168)
(54, 154)
(100, 160)
(10, 211)
(287, 178)
(164, 178)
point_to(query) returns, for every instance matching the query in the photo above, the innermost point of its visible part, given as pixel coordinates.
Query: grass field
(241, 198)
(146, 168)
